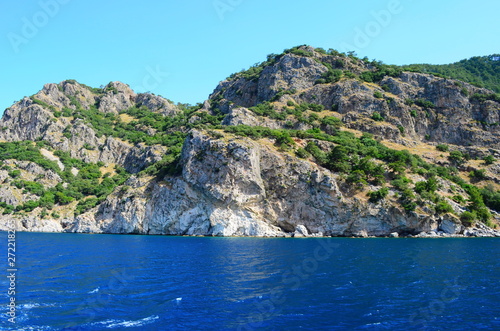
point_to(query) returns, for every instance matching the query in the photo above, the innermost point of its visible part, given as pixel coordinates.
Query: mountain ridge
(307, 143)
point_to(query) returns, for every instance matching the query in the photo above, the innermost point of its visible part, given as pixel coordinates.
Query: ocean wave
(111, 324)
(31, 305)
(94, 290)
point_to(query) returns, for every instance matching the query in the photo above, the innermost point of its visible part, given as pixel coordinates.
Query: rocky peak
(78, 94)
(119, 87)
(289, 72)
(157, 104)
(117, 97)
(297, 69)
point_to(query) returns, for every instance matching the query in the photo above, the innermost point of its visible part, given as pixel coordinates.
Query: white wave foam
(372, 324)
(31, 305)
(111, 324)
(94, 290)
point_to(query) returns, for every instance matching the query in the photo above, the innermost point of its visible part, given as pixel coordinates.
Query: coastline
(474, 232)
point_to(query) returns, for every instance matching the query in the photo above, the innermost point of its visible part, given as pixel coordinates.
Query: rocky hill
(306, 143)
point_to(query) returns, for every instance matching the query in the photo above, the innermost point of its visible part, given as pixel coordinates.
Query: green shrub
(456, 157)
(67, 132)
(478, 174)
(67, 112)
(63, 199)
(15, 173)
(377, 117)
(283, 139)
(442, 207)
(443, 147)
(313, 117)
(378, 195)
(425, 103)
(316, 107)
(332, 121)
(30, 205)
(348, 74)
(409, 205)
(8, 209)
(316, 152)
(378, 95)
(86, 205)
(357, 177)
(88, 147)
(47, 200)
(267, 109)
(339, 159)
(367, 76)
(489, 160)
(302, 153)
(459, 199)
(491, 197)
(476, 203)
(468, 218)
(331, 76)
(430, 185)
(401, 183)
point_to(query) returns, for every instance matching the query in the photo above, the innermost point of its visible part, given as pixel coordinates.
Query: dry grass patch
(110, 167)
(125, 118)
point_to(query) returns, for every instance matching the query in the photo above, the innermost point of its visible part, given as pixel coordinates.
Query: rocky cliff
(308, 143)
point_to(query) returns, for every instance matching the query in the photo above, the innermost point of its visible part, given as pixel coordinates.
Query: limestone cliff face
(27, 121)
(237, 187)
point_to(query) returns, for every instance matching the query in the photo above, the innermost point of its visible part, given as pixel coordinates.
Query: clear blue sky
(182, 49)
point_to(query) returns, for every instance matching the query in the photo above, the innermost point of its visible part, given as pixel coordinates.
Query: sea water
(119, 282)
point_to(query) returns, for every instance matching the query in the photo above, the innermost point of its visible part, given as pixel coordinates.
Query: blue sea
(117, 282)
